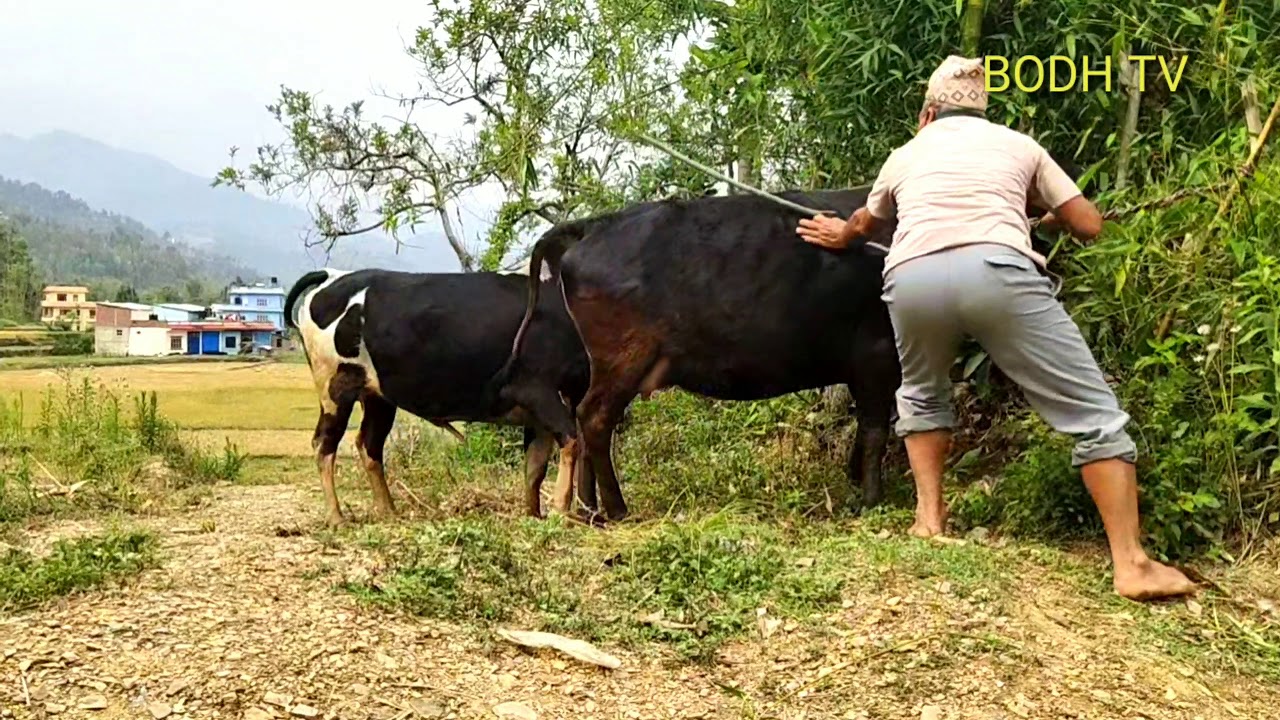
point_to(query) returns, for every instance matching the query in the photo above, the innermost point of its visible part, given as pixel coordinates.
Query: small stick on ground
(859, 660)
(413, 497)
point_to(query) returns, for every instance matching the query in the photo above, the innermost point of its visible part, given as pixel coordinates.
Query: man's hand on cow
(822, 230)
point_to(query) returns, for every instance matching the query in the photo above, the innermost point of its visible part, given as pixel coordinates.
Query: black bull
(719, 296)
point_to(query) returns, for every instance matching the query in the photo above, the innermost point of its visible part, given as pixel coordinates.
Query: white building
(180, 312)
(135, 329)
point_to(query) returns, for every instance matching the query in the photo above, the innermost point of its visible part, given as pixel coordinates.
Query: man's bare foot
(1150, 580)
(929, 524)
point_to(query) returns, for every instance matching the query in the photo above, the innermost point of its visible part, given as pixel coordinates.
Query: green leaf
(1245, 369)
(973, 362)
(1191, 17)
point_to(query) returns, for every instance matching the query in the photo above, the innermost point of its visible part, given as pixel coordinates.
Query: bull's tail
(551, 247)
(305, 283)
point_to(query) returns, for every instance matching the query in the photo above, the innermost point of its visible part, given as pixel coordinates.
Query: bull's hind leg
(537, 455)
(873, 388)
(562, 496)
(615, 381)
(336, 403)
(379, 417)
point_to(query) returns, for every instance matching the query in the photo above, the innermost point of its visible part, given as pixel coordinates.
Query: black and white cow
(429, 344)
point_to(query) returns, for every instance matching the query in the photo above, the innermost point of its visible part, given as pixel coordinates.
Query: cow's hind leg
(546, 405)
(329, 431)
(379, 417)
(537, 455)
(584, 478)
(562, 496)
(873, 389)
(337, 401)
(615, 381)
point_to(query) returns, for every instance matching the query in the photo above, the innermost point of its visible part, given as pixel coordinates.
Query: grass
(690, 586)
(73, 566)
(90, 450)
(90, 361)
(197, 395)
(742, 509)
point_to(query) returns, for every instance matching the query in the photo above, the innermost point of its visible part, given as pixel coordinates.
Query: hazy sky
(187, 79)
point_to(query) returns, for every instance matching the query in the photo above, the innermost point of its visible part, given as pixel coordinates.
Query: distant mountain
(268, 236)
(71, 242)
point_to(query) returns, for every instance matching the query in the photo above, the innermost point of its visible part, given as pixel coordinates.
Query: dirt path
(241, 622)
(236, 621)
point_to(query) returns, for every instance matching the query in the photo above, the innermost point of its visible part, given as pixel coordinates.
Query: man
(961, 263)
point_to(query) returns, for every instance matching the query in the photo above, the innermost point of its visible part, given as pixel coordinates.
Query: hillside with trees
(276, 238)
(70, 242)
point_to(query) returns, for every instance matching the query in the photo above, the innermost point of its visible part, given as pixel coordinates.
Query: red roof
(234, 325)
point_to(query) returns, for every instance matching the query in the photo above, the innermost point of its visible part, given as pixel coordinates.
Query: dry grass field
(266, 409)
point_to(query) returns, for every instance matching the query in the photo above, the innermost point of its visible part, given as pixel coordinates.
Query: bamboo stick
(1252, 119)
(1247, 169)
(745, 187)
(1130, 120)
(1197, 241)
(971, 28)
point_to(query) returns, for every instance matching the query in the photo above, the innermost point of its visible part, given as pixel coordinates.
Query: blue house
(219, 337)
(260, 302)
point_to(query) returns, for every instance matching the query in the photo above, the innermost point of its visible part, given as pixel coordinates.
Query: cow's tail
(312, 279)
(551, 247)
(305, 283)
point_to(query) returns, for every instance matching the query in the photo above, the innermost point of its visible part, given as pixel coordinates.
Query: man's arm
(1054, 189)
(829, 232)
(881, 205)
(861, 224)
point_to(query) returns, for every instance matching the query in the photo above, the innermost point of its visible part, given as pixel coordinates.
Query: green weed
(73, 566)
(85, 452)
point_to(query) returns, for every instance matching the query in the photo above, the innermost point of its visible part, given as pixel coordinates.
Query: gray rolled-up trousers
(997, 296)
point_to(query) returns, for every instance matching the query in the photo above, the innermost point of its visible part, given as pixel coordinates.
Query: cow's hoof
(590, 518)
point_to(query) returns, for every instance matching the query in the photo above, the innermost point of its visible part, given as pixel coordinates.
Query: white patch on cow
(319, 345)
(523, 269)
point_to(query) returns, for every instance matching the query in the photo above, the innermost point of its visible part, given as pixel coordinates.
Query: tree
(551, 94)
(165, 294)
(195, 291)
(19, 286)
(126, 293)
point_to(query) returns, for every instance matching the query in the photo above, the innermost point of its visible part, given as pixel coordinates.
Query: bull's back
(744, 306)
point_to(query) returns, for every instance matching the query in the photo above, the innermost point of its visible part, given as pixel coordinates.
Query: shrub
(72, 343)
(84, 452)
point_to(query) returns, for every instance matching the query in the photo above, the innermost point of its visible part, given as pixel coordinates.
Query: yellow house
(68, 304)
